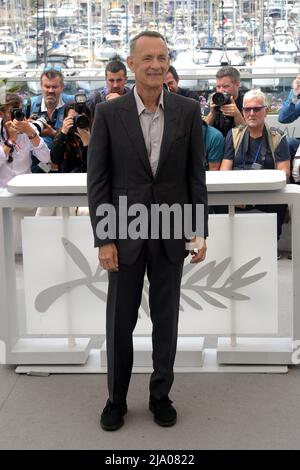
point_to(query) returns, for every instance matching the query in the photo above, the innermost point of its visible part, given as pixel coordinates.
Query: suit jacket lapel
(131, 122)
(171, 114)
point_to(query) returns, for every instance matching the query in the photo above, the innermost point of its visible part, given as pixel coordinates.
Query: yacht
(283, 42)
(273, 64)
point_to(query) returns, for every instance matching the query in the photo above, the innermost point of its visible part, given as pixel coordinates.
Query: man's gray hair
(228, 71)
(255, 94)
(148, 34)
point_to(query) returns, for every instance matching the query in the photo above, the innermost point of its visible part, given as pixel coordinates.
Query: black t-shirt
(255, 152)
(225, 123)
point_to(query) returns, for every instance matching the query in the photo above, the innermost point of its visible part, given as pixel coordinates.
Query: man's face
(254, 113)
(51, 90)
(227, 85)
(150, 62)
(171, 83)
(115, 82)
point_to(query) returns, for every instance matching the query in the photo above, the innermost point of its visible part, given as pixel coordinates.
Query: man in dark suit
(145, 146)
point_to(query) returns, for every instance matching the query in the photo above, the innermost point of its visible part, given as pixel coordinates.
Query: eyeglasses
(56, 68)
(255, 109)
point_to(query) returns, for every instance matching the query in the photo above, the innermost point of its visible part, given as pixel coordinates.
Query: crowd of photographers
(61, 123)
(51, 132)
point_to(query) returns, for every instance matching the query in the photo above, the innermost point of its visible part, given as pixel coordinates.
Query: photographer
(225, 107)
(70, 146)
(289, 112)
(18, 139)
(256, 146)
(116, 78)
(50, 104)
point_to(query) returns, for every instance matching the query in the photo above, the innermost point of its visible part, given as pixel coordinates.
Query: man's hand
(210, 117)
(233, 111)
(108, 257)
(230, 109)
(48, 131)
(197, 248)
(112, 96)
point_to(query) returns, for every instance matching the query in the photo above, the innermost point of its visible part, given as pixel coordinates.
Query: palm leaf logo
(204, 282)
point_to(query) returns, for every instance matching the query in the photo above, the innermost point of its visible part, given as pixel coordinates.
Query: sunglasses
(255, 109)
(56, 68)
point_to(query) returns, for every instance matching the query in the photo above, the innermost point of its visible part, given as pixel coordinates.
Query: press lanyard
(257, 152)
(256, 155)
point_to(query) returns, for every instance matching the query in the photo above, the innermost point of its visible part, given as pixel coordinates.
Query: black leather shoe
(164, 413)
(112, 416)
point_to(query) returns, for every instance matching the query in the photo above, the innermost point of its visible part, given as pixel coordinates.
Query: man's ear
(130, 63)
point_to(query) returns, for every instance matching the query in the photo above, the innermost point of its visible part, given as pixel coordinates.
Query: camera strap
(261, 151)
(2, 131)
(28, 107)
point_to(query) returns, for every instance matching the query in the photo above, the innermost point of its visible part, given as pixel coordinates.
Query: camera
(17, 114)
(39, 122)
(220, 99)
(82, 120)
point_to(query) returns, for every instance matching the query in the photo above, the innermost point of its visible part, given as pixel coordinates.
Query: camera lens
(18, 114)
(39, 123)
(219, 99)
(81, 121)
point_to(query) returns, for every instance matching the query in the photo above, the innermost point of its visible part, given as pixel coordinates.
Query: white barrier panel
(233, 291)
(291, 129)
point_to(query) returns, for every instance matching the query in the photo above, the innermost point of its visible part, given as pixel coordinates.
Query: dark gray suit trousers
(124, 299)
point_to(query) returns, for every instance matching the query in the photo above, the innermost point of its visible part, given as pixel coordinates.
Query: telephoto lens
(39, 123)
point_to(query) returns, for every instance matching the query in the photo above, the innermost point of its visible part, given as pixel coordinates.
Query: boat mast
(234, 19)
(126, 26)
(209, 38)
(89, 30)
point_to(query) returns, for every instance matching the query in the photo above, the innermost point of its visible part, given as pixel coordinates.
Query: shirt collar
(140, 105)
(60, 104)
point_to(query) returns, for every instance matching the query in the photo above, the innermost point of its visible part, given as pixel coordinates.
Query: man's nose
(155, 63)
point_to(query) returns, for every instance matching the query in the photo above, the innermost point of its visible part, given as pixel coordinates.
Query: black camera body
(220, 99)
(81, 121)
(17, 114)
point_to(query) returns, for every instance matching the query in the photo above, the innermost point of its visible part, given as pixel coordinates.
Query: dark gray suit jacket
(118, 165)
